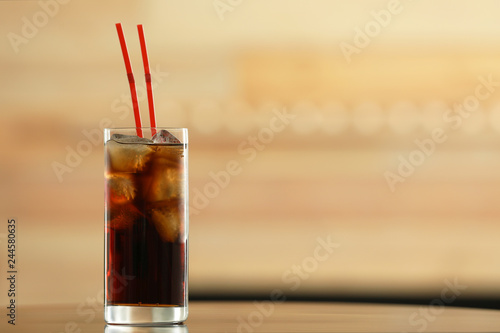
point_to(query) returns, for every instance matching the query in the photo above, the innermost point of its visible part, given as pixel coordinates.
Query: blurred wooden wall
(308, 140)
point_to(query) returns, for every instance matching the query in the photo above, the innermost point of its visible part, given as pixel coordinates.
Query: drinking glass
(146, 225)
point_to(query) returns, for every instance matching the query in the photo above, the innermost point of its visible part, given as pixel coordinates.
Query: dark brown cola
(146, 236)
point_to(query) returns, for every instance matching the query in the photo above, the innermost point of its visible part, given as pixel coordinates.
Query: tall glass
(146, 225)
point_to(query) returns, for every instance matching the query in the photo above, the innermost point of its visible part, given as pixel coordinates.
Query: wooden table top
(266, 316)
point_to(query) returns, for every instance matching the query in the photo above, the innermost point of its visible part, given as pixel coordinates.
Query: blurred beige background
(361, 81)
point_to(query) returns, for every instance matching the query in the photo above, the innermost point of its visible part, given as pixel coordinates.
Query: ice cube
(167, 219)
(165, 136)
(120, 188)
(122, 216)
(166, 183)
(122, 138)
(128, 157)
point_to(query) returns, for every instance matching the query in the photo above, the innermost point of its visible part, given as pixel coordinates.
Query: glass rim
(181, 133)
(145, 127)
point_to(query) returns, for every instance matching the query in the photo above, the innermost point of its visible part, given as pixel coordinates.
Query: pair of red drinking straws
(131, 80)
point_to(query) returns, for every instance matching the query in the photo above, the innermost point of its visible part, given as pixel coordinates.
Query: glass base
(144, 315)
(172, 328)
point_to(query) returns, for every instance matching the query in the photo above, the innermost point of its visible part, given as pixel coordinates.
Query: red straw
(147, 73)
(131, 80)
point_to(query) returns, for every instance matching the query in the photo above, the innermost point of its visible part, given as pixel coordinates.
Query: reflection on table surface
(268, 316)
(145, 329)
